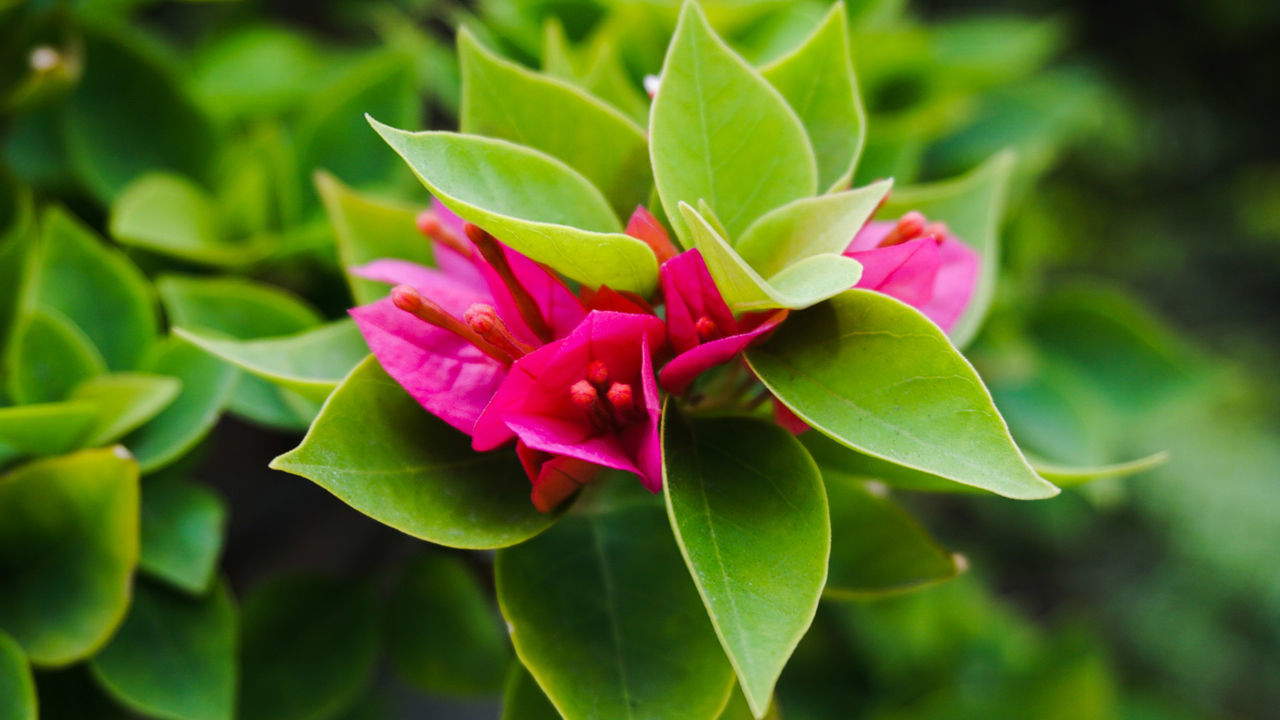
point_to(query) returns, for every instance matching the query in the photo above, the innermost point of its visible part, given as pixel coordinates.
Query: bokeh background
(1136, 313)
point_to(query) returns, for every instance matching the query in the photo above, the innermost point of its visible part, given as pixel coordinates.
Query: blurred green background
(1136, 310)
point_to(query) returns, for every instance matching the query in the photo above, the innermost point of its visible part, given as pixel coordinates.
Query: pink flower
(555, 477)
(701, 329)
(919, 263)
(590, 395)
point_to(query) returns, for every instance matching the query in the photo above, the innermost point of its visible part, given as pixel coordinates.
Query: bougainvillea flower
(554, 477)
(449, 334)
(701, 329)
(590, 396)
(919, 263)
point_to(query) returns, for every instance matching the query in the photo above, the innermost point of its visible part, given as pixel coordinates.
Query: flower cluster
(502, 349)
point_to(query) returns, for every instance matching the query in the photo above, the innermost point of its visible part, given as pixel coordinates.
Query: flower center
(610, 413)
(413, 302)
(912, 226)
(706, 328)
(497, 259)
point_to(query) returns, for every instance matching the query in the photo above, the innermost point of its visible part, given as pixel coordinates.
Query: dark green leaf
(182, 533)
(68, 547)
(523, 699)
(444, 634)
(17, 688)
(376, 449)
(605, 618)
(878, 376)
(47, 357)
(174, 656)
(309, 647)
(46, 428)
(750, 516)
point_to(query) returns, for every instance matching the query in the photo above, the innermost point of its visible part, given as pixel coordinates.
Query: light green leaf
(97, 288)
(250, 71)
(47, 357)
(206, 386)
(309, 647)
(68, 546)
(972, 205)
(376, 449)
(174, 656)
(444, 635)
(522, 699)
(16, 255)
(604, 617)
(876, 547)
(532, 202)
(504, 100)
(809, 226)
(1071, 476)
(182, 533)
(129, 115)
(738, 709)
(171, 216)
(369, 229)
(124, 401)
(877, 376)
(310, 363)
(17, 687)
(721, 133)
(597, 67)
(817, 80)
(46, 428)
(800, 285)
(750, 516)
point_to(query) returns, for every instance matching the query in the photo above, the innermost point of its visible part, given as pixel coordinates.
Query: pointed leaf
(800, 285)
(750, 516)
(369, 229)
(124, 401)
(17, 686)
(532, 202)
(721, 133)
(877, 376)
(445, 635)
(973, 207)
(504, 100)
(376, 449)
(68, 547)
(47, 357)
(309, 647)
(522, 699)
(607, 621)
(1072, 476)
(174, 656)
(810, 226)
(817, 80)
(310, 363)
(182, 533)
(206, 386)
(46, 428)
(97, 288)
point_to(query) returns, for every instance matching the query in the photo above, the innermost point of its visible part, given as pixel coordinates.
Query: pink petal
(559, 306)
(691, 294)
(870, 236)
(906, 271)
(787, 419)
(648, 445)
(688, 365)
(957, 278)
(491, 429)
(445, 374)
(453, 294)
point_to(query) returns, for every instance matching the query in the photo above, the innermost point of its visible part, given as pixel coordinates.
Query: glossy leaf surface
(182, 533)
(123, 401)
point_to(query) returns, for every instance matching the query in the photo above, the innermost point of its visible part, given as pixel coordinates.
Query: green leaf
(15, 250)
(1072, 476)
(522, 699)
(97, 288)
(876, 547)
(604, 617)
(598, 68)
(750, 516)
(250, 71)
(17, 687)
(68, 546)
(504, 100)
(172, 216)
(128, 115)
(310, 363)
(738, 709)
(124, 401)
(206, 386)
(809, 226)
(532, 202)
(972, 205)
(368, 229)
(46, 428)
(47, 357)
(877, 376)
(309, 647)
(444, 635)
(800, 285)
(174, 656)
(376, 449)
(817, 80)
(182, 533)
(721, 133)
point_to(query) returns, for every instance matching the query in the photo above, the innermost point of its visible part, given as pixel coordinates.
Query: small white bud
(45, 58)
(651, 83)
